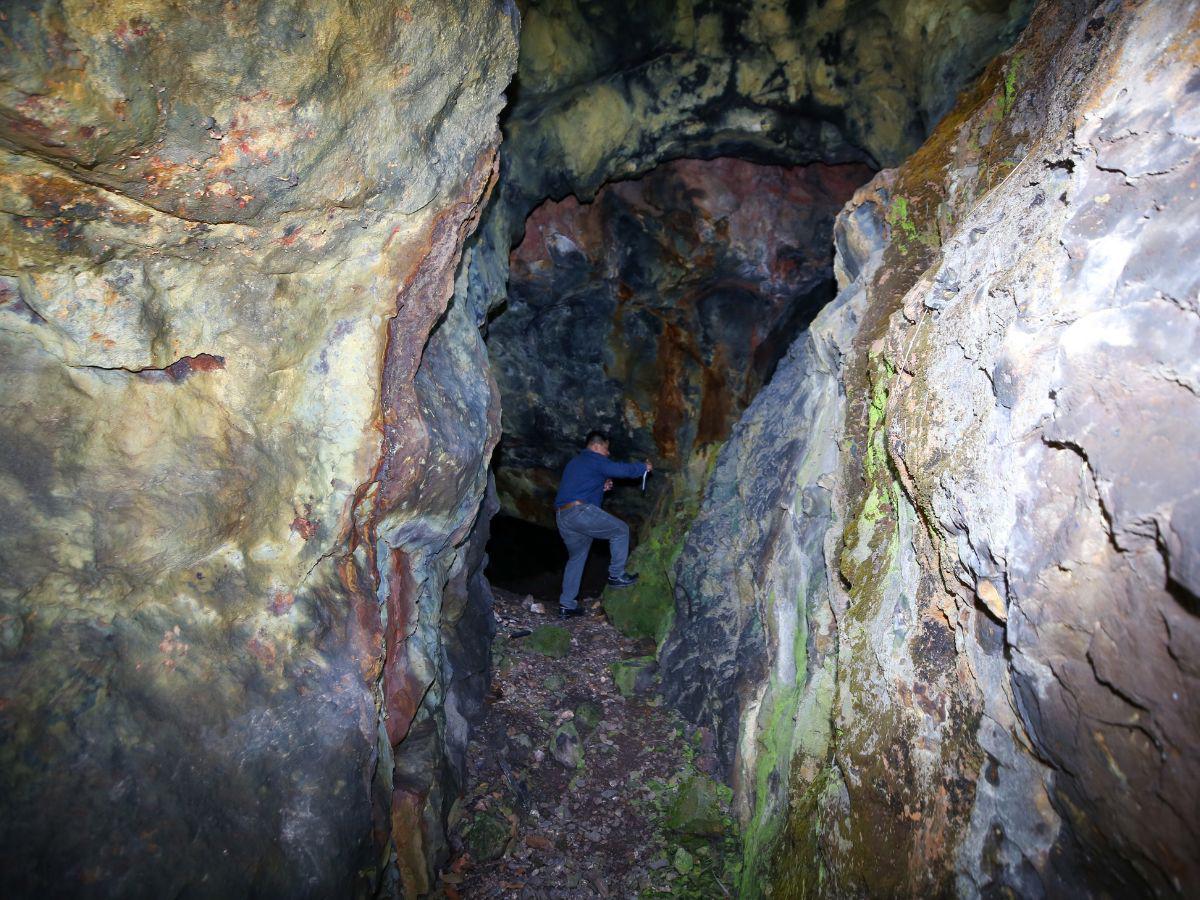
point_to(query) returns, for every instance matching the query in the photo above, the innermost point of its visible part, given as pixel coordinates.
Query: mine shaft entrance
(655, 312)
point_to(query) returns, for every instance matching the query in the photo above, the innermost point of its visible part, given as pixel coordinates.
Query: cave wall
(951, 621)
(609, 90)
(244, 440)
(656, 312)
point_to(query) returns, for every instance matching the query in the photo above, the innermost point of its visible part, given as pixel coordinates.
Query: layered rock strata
(244, 440)
(939, 604)
(656, 312)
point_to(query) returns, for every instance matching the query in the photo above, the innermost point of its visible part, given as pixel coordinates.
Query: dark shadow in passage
(528, 559)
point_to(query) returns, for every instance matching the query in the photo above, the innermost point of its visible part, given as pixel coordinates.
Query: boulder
(695, 808)
(937, 603)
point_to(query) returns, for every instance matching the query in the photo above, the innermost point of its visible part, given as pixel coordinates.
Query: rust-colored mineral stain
(281, 602)
(305, 527)
(716, 403)
(262, 649)
(669, 411)
(402, 688)
(203, 362)
(365, 626)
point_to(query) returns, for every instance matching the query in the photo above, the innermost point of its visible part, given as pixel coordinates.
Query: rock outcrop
(656, 312)
(939, 605)
(244, 440)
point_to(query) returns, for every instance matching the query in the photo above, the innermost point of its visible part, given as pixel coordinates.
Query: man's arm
(613, 469)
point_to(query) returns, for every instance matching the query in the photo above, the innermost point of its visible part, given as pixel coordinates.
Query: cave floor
(530, 826)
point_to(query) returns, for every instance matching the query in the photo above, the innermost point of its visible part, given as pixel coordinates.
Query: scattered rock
(566, 746)
(550, 640)
(596, 803)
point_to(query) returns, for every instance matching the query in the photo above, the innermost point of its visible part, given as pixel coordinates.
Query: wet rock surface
(948, 623)
(239, 417)
(626, 813)
(656, 312)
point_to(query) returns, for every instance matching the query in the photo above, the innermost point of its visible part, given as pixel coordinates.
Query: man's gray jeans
(578, 525)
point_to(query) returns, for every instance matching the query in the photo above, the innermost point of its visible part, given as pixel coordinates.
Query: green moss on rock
(632, 675)
(486, 837)
(587, 717)
(647, 609)
(696, 808)
(550, 640)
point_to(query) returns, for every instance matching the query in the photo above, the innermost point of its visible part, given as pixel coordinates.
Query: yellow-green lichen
(1008, 96)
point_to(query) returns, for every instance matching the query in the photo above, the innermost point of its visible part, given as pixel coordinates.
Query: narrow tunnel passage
(655, 313)
(295, 297)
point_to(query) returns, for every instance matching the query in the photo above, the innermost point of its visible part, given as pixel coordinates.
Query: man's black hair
(596, 437)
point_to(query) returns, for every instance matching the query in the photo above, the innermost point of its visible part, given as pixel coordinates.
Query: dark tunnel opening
(527, 559)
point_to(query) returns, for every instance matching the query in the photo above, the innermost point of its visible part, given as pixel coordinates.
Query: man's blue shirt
(584, 477)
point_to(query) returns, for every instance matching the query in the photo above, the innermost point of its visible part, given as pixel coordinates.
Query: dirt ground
(533, 825)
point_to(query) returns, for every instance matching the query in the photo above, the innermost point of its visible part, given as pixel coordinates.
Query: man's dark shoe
(622, 580)
(565, 613)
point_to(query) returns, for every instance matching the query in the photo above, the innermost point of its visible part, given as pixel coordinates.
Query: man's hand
(649, 467)
(608, 484)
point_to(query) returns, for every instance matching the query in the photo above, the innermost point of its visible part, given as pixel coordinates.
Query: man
(580, 518)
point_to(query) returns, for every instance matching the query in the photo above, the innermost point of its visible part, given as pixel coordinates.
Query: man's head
(597, 442)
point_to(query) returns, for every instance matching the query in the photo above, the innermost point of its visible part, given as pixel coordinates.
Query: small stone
(486, 837)
(657, 864)
(633, 676)
(566, 747)
(990, 596)
(587, 715)
(539, 842)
